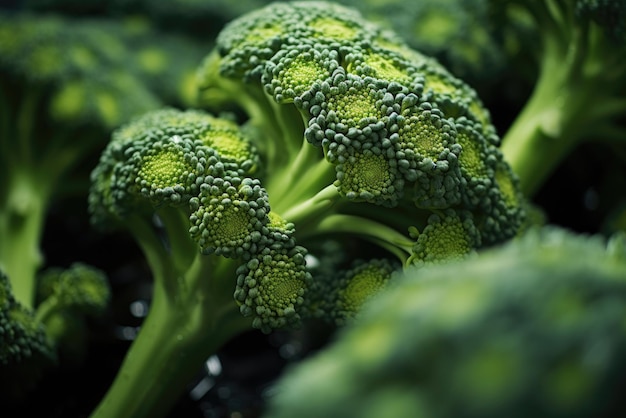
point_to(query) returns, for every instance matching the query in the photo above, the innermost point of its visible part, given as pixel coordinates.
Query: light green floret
(271, 287)
(330, 28)
(293, 71)
(165, 118)
(426, 138)
(170, 169)
(347, 107)
(279, 232)
(505, 206)
(369, 175)
(449, 236)
(332, 22)
(426, 145)
(477, 161)
(453, 96)
(356, 286)
(234, 148)
(229, 216)
(383, 65)
(246, 42)
(353, 103)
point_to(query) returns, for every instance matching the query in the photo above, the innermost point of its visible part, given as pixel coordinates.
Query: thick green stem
(548, 127)
(22, 216)
(178, 335)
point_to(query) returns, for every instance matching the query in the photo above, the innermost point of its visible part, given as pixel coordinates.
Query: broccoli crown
(531, 328)
(394, 127)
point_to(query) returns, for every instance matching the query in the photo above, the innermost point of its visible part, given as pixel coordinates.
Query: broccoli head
(386, 129)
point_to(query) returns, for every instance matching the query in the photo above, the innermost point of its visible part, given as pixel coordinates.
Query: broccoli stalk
(190, 318)
(579, 91)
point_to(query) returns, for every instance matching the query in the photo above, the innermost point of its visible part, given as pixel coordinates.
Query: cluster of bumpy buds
(397, 128)
(229, 215)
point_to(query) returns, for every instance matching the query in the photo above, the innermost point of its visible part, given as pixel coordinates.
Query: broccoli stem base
(177, 336)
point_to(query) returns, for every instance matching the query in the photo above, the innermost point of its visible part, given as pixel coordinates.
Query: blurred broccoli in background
(577, 50)
(53, 333)
(533, 328)
(64, 86)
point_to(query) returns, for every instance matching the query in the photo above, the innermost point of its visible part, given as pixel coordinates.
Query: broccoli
(336, 130)
(182, 183)
(339, 297)
(578, 95)
(67, 298)
(33, 341)
(62, 89)
(389, 127)
(532, 328)
(25, 353)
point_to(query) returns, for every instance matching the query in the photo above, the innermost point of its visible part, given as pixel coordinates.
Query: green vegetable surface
(533, 328)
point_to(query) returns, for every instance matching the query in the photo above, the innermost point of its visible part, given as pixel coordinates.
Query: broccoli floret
(54, 333)
(25, 351)
(579, 84)
(339, 296)
(533, 328)
(340, 131)
(66, 300)
(271, 287)
(448, 236)
(230, 217)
